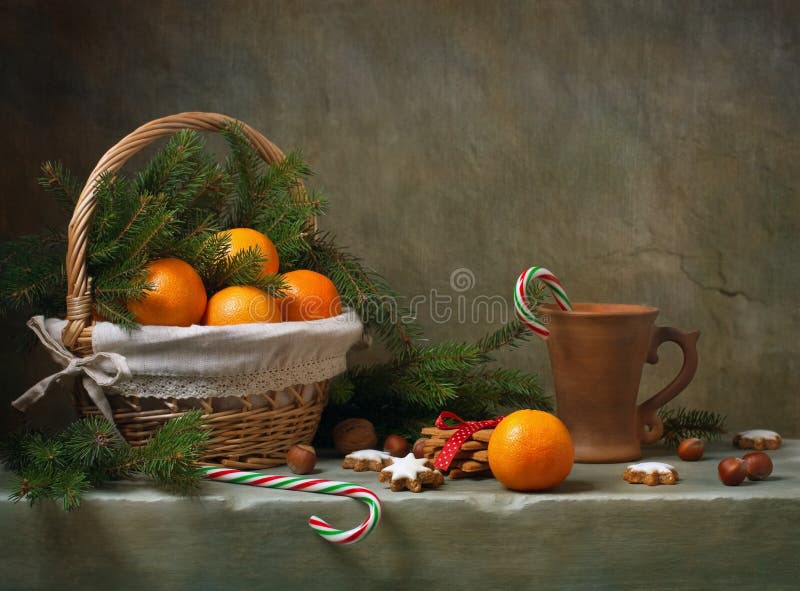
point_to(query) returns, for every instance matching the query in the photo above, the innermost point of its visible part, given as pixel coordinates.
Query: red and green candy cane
(315, 485)
(524, 313)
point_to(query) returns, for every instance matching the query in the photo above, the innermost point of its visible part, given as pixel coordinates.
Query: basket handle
(77, 334)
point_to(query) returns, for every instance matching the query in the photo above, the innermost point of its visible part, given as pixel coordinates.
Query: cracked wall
(646, 152)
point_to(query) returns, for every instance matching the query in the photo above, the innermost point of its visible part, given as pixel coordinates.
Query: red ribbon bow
(465, 429)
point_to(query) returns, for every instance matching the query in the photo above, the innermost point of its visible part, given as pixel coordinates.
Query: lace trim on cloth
(221, 386)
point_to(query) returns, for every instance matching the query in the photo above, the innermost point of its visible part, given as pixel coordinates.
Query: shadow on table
(572, 486)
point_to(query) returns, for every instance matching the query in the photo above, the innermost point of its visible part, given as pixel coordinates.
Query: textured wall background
(646, 151)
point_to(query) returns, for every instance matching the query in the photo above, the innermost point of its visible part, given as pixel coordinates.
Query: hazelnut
(396, 446)
(691, 450)
(759, 465)
(354, 434)
(732, 471)
(301, 459)
(419, 447)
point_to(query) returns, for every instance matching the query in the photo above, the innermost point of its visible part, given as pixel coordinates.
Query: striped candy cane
(326, 487)
(524, 313)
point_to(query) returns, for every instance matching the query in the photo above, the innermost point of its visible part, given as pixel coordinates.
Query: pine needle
(681, 423)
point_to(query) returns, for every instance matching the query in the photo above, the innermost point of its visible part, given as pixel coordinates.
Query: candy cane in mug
(524, 313)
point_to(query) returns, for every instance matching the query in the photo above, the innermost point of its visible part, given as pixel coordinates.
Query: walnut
(354, 434)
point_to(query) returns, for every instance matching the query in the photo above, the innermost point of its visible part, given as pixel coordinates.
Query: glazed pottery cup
(597, 352)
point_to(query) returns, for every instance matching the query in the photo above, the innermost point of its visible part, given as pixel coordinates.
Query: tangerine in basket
(241, 304)
(244, 238)
(531, 450)
(309, 296)
(178, 297)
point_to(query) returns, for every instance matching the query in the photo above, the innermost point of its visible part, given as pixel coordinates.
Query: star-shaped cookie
(759, 439)
(411, 473)
(651, 474)
(367, 459)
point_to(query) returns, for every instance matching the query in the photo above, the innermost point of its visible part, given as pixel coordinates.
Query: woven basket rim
(78, 330)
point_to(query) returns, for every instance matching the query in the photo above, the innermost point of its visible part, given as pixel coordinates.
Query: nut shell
(354, 434)
(732, 471)
(301, 459)
(419, 447)
(759, 465)
(691, 449)
(396, 446)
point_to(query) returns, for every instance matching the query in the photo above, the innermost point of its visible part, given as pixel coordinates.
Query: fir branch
(92, 441)
(111, 294)
(61, 185)
(45, 455)
(181, 171)
(505, 387)
(262, 193)
(149, 238)
(281, 184)
(206, 251)
(511, 335)
(245, 264)
(341, 391)
(30, 488)
(242, 166)
(169, 456)
(365, 291)
(681, 423)
(37, 282)
(115, 211)
(244, 268)
(447, 357)
(69, 486)
(12, 450)
(116, 312)
(423, 389)
(90, 452)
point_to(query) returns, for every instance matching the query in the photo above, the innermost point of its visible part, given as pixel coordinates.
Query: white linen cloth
(198, 361)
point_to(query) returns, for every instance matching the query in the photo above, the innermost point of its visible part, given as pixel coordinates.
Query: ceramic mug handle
(650, 426)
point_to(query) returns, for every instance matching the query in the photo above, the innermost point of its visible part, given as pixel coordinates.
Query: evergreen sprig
(90, 452)
(33, 282)
(366, 291)
(243, 268)
(680, 423)
(60, 183)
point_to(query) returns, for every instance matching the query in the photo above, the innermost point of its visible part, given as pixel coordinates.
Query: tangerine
(309, 296)
(241, 304)
(178, 297)
(531, 450)
(244, 238)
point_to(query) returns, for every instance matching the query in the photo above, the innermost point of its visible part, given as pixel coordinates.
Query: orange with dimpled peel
(177, 296)
(531, 450)
(309, 296)
(241, 304)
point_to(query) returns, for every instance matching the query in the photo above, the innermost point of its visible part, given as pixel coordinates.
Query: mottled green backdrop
(647, 152)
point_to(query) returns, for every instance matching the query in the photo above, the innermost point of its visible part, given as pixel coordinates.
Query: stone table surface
(594, 531)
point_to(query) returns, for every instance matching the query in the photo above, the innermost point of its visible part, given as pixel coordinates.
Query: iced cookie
(759, 439)
(411, 473)
(367, 459)
(651, 474)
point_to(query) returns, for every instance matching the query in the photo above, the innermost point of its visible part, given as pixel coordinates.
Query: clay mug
(597, 352)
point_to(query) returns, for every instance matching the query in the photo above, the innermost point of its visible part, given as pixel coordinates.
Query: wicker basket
(246, 436)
